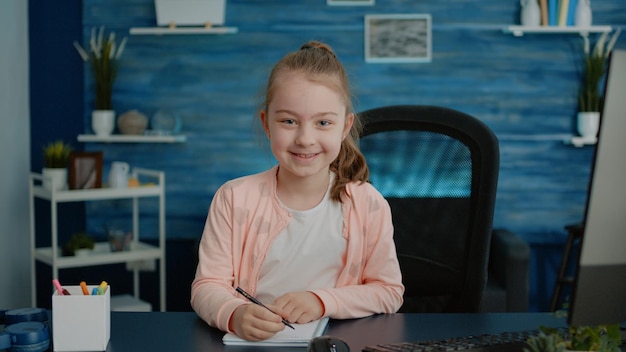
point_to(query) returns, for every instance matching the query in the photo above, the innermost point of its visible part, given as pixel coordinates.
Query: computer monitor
(599, 292)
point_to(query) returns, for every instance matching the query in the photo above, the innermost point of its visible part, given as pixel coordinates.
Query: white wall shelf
(581, 141)
(519, 31)
(127, 138)
(182, 30)
(101, 255)
(566, 138)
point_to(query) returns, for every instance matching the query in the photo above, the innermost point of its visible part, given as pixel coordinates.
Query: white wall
(14, 156)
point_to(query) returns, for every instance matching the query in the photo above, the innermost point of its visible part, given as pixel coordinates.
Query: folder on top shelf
(563, 10)
(543, 7)
(553, 6)
(571, 14)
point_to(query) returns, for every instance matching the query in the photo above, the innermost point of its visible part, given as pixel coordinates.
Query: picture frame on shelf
(350, 2)
(398, 38)
(85, 170)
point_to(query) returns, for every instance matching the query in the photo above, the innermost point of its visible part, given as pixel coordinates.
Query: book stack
(558, 12)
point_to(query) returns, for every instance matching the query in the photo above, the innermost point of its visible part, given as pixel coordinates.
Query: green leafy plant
(593, 70)
(103, 56)
(56, 154)
(78, 240)
(545, 343)
(603, 338)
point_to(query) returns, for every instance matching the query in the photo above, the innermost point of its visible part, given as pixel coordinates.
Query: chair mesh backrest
(430, 165)
(444, 165)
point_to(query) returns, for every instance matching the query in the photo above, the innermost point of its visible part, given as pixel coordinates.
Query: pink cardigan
(244, 218)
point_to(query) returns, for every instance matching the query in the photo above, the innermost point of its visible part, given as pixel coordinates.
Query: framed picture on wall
(190, 12)
(398, 38)
(85, 170)
(350, 2)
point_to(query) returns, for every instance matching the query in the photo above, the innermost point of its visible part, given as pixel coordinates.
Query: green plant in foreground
(605, 338)
(602, 338)
(545, 343)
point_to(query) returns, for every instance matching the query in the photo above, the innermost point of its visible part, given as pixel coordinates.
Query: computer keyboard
(500, 342)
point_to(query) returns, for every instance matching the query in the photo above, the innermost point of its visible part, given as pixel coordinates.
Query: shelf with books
(519, 31)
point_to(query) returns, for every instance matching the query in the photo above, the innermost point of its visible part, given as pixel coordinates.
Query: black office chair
(438, 168)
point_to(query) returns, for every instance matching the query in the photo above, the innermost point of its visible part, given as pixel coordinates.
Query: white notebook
(300, 336)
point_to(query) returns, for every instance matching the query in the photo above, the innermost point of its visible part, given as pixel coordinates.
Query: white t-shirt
(308, 254)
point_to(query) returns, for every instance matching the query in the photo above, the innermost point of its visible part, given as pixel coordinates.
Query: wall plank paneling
(523, 88)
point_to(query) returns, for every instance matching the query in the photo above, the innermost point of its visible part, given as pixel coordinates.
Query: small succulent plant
(56, 154)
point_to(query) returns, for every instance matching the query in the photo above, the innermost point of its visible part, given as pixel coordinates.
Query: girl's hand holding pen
(255, 323)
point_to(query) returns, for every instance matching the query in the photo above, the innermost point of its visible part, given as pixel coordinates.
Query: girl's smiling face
(306, 121)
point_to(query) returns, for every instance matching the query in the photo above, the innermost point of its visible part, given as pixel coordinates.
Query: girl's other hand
(255, 323)
(300, 307)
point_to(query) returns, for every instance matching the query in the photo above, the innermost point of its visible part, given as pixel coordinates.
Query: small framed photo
(85, 170)
(398, 38)
(350, 2)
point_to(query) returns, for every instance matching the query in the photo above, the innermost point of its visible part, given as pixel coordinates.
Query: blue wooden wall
(523, 88)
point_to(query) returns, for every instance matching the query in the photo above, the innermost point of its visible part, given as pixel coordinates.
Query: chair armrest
(509, 265)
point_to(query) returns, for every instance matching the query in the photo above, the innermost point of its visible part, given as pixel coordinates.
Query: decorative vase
(103, 122)
(132, 122)
(54, 178)
(588, 123)
(582, 17)
(530, 14)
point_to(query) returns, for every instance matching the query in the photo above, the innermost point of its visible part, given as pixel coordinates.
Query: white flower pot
(54, 178)
(103, 122)
(588, 124)
(82, 252)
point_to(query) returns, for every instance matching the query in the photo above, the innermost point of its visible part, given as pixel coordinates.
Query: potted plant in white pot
(103, 56)
(56, 156)
(79, 244)
(590, 98)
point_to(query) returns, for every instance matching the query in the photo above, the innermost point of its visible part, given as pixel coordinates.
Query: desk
(184, 331)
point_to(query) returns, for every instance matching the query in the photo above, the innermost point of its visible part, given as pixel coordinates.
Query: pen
(83, 286)
(102, 288)
(256, 301)
(60, 289)
(56, 284)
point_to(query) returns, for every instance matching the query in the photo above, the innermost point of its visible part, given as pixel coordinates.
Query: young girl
(309, 238)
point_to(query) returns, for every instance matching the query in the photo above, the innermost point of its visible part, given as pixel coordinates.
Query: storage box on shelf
(139, 251)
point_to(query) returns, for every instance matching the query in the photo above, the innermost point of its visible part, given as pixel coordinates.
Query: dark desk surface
(184, 331)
